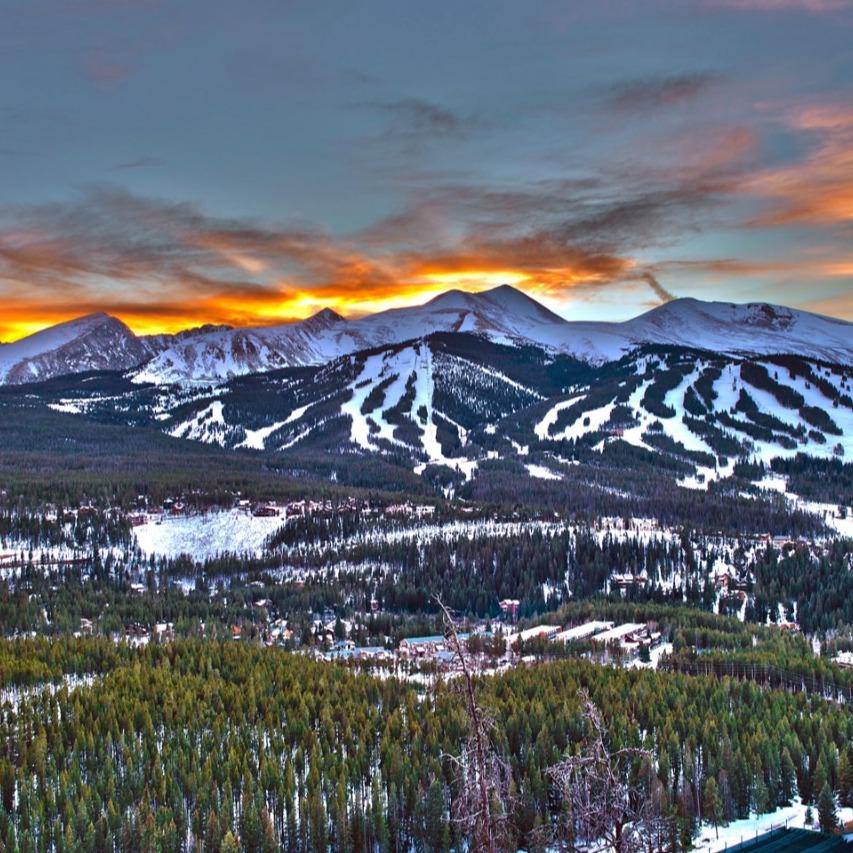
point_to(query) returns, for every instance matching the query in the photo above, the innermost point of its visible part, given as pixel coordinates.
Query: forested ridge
(228, 746)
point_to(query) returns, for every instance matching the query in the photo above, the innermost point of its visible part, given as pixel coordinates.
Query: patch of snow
(543, 428)
(540, 472)
(206, 536)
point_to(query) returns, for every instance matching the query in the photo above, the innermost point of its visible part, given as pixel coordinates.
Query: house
(722, 579)
(509, 607)
(588, 630)
(378, 653)
(844, 659)
(265, 511)
(626, 581)
(410, 510)
(164, 630)
(420, 646)
(548, 632)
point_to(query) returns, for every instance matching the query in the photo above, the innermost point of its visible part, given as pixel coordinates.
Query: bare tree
(483, 776)
(603, 803)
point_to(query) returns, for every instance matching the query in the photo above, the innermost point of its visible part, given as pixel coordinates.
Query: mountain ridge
(502, 314)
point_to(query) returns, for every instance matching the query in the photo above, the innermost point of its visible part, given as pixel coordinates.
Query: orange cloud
(818, 190)
(162, 267)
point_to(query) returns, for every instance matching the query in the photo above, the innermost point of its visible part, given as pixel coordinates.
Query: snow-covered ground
(206, 425)
(540, 472)
(543, 428)
(655, 655)
(204, 536)
(256, 438)
(13, 695)
(793, 816)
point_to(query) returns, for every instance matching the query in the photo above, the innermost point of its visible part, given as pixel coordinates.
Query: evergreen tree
(712, 804)
(229, 844)
(827, 815)
(845, 778)
(433, 832)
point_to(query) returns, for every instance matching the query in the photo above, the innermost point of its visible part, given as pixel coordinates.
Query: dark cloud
(655, 92)
(592, 214)
(111, 247)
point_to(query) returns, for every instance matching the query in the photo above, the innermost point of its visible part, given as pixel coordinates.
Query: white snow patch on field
(540, 472)
(69, 407)
(793, 816)
(205, 536)
(361, 388)
(829, 513)
(203, 425)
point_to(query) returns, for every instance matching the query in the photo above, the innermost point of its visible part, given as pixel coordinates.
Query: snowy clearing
(204, 536)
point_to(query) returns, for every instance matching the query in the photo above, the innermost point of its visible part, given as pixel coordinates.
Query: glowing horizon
(295, 160)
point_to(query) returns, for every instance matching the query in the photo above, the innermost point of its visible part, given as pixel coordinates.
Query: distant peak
(323, 319)
(506, 290)
(454, 295)
(328, 315)
(95, 317)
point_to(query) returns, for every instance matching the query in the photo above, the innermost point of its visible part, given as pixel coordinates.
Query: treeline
(827, 480)
(22, 530)
(627, 481)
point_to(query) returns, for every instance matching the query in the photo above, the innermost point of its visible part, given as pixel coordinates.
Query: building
(427, 646)
(509, 607)
(420, 646)
(265, 511)
(844, 659)
(586, 631)
(784, 840)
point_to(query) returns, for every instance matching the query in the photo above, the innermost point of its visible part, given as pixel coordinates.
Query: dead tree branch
(481, 807)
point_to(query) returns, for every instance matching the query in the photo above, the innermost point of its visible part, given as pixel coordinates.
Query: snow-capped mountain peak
(752, 327)
(323, 319)
(93, 342)
(503, 315)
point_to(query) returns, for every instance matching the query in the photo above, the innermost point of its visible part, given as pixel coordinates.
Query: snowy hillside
(754, 328)
(406, 399)
(93, 342)
(453, 408)
(712, 411)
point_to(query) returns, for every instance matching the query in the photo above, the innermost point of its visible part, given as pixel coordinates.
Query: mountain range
(476, 395)
(503, 315)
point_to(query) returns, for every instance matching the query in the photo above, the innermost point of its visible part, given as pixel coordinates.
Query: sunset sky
(177, 162)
